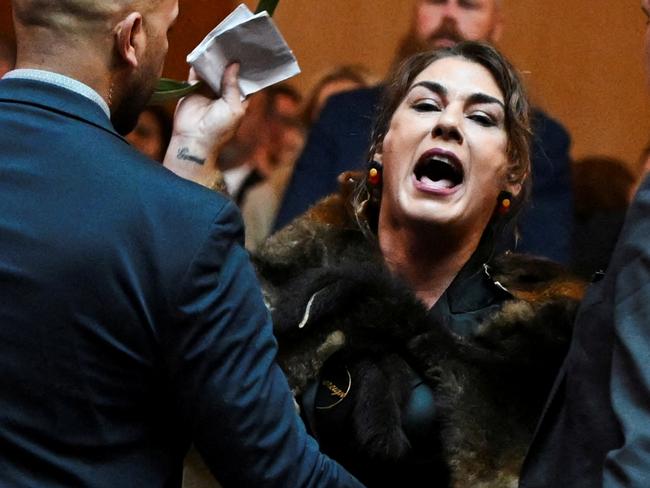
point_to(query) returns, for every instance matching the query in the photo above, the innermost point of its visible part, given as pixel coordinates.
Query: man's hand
(202, 124)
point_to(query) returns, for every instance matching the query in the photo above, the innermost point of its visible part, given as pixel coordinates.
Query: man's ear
(130, 39)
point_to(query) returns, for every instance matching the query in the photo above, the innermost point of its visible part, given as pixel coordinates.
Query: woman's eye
(482, 119)
(426, 106)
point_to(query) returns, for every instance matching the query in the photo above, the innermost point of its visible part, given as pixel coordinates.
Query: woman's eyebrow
(431, 86)
(478, 98)
(475, 98)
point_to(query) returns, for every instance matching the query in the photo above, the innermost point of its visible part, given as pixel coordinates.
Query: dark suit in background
(131, 322)
(596, 428)
(339, 141)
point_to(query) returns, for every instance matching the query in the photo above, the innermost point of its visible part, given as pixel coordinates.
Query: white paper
(254, 42)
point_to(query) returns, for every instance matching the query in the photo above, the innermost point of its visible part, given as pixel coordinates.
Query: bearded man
(131, 322)
(339, 140)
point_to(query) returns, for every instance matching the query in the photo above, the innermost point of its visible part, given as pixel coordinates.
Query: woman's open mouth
(438, 171)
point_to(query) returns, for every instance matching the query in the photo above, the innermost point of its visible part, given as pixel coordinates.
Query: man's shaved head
(117, 47)
(76, 16)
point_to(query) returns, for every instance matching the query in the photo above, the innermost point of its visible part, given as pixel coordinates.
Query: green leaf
(171, 90)
(268, 5)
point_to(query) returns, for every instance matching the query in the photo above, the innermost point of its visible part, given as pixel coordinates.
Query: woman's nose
(446, 127)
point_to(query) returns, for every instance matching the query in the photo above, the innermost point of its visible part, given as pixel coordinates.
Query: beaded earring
(374, 181)
(504, 202)
(374, 174)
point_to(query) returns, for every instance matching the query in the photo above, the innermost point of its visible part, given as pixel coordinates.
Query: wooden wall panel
(324, 34)
(195, 20)
(6, 26)
(585, 64)
(583, 59)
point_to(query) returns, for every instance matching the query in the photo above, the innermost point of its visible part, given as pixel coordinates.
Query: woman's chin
(433, 213)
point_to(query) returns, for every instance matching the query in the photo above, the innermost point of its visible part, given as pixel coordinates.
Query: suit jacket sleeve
(232, 396)
(629, 464)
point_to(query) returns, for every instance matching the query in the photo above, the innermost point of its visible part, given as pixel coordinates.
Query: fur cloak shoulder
(329, 292)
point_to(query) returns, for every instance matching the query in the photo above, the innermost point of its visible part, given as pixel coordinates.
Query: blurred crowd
(258, 163)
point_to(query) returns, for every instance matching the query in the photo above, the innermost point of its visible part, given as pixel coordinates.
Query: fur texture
(329, 291)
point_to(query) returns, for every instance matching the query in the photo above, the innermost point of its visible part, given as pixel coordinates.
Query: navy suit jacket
(339, 141)
(131, 322)
(596, 428)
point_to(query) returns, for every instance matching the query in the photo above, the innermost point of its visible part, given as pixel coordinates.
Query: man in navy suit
(340, 138)
(131, 322)
(596, 428)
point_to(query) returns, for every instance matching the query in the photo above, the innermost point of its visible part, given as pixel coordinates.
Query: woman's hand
(203, 123)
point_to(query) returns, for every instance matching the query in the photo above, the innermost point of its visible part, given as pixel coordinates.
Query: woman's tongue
(437, 183)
